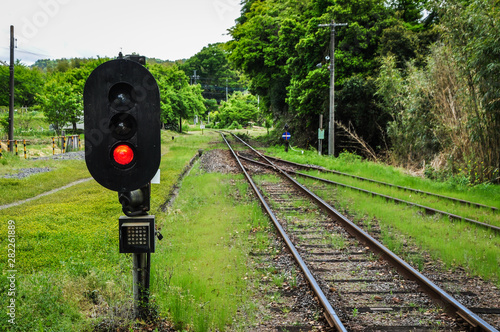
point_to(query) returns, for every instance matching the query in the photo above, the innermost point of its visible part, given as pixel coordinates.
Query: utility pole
(320, 140)
(195, 77)
(11, 92)
(226, 90)
(331, 127)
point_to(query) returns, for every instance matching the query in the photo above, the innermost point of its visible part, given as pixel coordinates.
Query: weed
(278, 280)
(293, 279)
(336, 240)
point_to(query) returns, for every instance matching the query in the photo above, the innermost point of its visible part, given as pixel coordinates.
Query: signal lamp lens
(123, 154)
(121, 97)
(123, 126)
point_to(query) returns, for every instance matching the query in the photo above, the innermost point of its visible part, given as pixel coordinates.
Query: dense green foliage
(238, 111)
(282, 49)
(213, 72)
(27, 84)
(178, 98)
(445, 113)
(418, 79)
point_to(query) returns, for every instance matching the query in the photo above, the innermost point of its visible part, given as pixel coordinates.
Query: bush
(349, 157)
(235, 125)
(436, 174)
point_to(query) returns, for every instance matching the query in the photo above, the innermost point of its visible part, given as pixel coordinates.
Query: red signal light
(123, 154)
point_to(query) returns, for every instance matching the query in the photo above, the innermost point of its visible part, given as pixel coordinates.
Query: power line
(27, 52)
(32, 53)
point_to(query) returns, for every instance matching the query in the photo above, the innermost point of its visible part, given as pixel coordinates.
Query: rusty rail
(451, 305)
(330, 313)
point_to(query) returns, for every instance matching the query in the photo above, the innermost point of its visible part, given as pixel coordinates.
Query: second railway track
(361, 284)
(291, 168)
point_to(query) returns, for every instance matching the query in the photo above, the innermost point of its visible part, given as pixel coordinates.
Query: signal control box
(137, 235)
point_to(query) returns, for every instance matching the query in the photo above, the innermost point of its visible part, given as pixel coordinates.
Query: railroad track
(291, 168)
(361, 285)
(417, 191)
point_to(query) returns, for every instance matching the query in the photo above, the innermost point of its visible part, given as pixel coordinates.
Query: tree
(241, 108)
(4, 85)
(60, 102)
(214, 71)
(472, 33)
(281, 48)
(409, 11)
(179, 100)
(28, 83)
(407, 100)
(61, 98)
(255, 49)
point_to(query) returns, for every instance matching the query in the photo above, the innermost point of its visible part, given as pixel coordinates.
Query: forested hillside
(416, 80)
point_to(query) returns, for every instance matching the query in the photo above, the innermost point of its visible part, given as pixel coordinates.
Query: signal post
(122, 152)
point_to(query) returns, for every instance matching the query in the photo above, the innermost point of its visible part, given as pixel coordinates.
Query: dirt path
(6, 206)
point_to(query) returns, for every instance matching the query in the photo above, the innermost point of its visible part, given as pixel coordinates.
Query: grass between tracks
(200, 273)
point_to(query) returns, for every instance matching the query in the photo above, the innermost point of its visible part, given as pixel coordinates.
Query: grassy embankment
(70, 275)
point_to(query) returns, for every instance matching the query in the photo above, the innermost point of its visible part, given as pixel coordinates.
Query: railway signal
(122, 125)
(122, 151)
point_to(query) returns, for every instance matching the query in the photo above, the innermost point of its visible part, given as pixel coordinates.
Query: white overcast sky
(164, 29)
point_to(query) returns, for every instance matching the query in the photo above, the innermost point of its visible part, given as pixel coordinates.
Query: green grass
(199, 273)
(67, 259)
(479, 214)
(63, 240)
(62, 173)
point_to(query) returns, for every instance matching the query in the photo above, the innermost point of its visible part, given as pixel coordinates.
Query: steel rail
(451, 305)
(461, 201)
(330, 313)
(397, 200)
